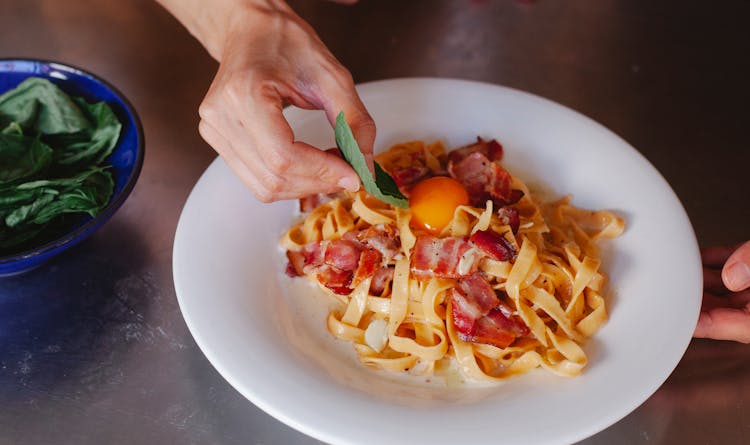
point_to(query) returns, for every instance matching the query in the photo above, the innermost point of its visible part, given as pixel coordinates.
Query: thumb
(736, 271)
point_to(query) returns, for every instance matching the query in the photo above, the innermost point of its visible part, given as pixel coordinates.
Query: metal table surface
(93, 348)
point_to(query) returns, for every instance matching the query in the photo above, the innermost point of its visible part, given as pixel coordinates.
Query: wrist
(212, 22)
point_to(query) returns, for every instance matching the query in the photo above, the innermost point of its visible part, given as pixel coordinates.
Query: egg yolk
(433, 201)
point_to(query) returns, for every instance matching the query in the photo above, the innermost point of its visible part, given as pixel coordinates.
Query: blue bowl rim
(118, 200)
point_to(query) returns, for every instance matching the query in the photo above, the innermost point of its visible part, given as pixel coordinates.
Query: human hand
(725, 314)
(268, 57)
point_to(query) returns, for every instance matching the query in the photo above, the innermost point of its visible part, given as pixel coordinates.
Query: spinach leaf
(382, 186)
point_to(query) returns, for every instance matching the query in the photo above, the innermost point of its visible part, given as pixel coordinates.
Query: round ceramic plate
(266, 333)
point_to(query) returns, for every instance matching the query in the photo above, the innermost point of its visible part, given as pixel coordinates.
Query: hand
(725, 314)
(268, 56)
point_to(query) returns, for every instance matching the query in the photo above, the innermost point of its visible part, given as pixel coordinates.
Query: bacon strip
(494, 245)
(295, 264)
(381, 237)
(492, 149)
(498, 329)
(405, 177)
(480, 317)
(477, 167)
(509, 216)
(438, 257)
(380, 280)
(333, 263)
(369, 261)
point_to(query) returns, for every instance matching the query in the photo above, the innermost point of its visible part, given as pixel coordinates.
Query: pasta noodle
(400, 318)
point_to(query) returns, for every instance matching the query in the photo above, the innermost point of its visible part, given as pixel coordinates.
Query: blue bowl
(126, 159)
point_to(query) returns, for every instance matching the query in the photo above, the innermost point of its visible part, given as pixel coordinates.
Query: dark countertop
(93, 348)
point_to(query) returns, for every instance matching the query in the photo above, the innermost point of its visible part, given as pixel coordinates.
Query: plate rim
(335, 436)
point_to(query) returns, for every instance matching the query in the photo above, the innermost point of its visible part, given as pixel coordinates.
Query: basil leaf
(51, 150)
(21, 156)
(382, 186)
(39, 105)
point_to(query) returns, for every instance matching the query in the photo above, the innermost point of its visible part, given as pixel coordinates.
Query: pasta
(509, 284)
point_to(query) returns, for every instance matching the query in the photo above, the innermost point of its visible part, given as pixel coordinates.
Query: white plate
(248, 320)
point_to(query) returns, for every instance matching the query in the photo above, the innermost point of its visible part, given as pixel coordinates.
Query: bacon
(295, 264)
(464, 313)
(491, 149)
(369, 260)
(342, 254)
(383, 238)
(477, 167)
(498, 329)
(494, 150)
(480, 317)
(332, 262)
(471, 299)
(335, 279)
(408, 176)
(438, 257)
(494, 245)
(509, 216)
(314, 254)
(380, 280)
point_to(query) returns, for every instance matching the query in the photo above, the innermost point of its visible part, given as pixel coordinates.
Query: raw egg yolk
(433, 201)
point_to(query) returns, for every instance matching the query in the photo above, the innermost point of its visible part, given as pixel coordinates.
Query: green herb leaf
(21, 156)
(382, 186)
(51, 150)
(38, 104)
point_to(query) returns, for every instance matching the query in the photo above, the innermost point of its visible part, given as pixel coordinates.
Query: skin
(269, 57)
(725, 314)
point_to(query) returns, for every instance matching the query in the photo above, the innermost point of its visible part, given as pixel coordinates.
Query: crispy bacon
(342, 264)
(380, 280)
(438, 257)
(479, 316)
(383, 238)
(342, 254)
(509, 216)
(405, 177)
(295, 264)
(335, 279)
(332, 262)
(477, 167)
(369, 261)
(493, 245)
(498, 329)
(476, 288)
(492, 149)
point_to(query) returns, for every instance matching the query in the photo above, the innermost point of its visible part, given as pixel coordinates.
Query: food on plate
(52, 152)
(475, 275)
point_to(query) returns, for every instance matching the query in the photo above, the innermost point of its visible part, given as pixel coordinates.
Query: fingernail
(738, 276)
(349, 183)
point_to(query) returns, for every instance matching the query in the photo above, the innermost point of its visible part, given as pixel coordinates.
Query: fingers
(247, 128)
(337, 93)
(736, 271)
(724, 324)
(716, 256)
(306, 169)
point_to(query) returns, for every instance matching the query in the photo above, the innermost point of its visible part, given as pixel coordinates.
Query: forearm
(211, 21)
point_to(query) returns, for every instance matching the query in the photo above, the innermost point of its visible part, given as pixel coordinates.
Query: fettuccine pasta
(509, 284)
